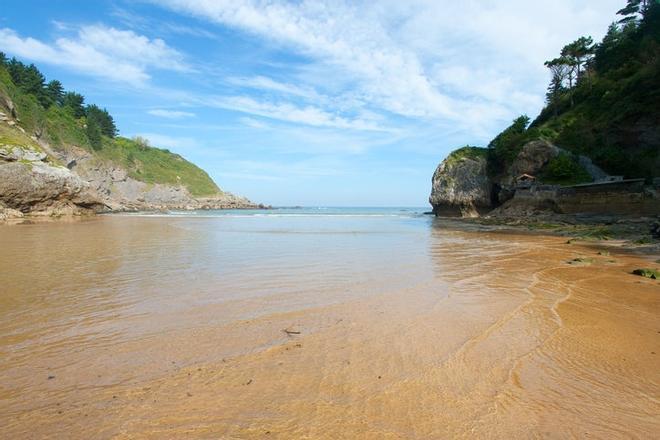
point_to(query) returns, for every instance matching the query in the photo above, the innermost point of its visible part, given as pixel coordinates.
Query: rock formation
(37, 179)
(460, 184)
(30, 184)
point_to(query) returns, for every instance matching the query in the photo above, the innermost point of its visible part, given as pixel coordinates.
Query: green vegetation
(468, 152)
(543, 225)
(507, 145)
(564, 169)
(602, 102)
(153, 165)
(648, 273)
(64, 120)
(12, 138)
(603, 98)
(102, 119)
(596, 233)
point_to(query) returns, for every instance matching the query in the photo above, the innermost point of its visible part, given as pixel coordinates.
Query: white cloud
(264, 83)
(469, 64)
(275, 170)
(285, 111)
(101, 51)
(171, 114)
(253, 123)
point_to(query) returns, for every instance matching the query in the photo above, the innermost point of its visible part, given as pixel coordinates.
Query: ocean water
(301, 211)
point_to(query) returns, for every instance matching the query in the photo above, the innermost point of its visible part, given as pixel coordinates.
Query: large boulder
(531, 159)
(460, 184)
(40, 187)
(11, 153)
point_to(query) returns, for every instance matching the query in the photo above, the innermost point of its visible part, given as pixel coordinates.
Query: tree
(55, 91)
(633, 9)
(29, 79)
(15, 69)
(3, 59)
(579, 52)
(33, 81)
(94, 134)
(74, 103)
(559, 70)
(505, 147)
(142, 142)
(102, 118)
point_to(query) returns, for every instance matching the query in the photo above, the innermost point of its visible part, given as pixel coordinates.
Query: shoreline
(633, 234)
(12, 216)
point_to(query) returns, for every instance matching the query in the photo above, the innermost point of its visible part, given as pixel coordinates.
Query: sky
(314, 103)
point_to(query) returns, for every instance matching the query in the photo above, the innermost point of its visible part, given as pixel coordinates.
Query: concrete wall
(624, 198)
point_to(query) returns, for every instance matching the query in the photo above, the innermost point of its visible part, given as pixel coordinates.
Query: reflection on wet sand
(174, 328)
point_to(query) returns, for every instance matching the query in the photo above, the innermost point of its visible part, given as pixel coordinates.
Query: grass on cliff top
(153, 165)
(467, 152)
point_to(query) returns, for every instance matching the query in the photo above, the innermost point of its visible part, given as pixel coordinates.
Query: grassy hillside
(603, 101)
(153, 165)
(64, 125)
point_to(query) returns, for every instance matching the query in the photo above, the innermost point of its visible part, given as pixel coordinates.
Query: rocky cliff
(30, 183)
(460, 184)
(463, 186)
(49, 168)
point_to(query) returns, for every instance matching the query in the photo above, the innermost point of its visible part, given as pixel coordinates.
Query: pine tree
(74, 103)
(103, 119)
(55, 91)
(579, 52)
(559, 70)
(94, 134)
(633, 10)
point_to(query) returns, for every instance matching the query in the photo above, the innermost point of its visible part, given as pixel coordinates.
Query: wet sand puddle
(456, 335)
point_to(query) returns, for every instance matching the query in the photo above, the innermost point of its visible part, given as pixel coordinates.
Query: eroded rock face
(9, 213)
(119, 192)
(461, 187)
(11, 153)
(32, 182)
(41, 187)
(531, 159)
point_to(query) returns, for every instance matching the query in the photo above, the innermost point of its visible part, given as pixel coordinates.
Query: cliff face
(460, 184)
(30, 183)
(119, 191)
(46, 169)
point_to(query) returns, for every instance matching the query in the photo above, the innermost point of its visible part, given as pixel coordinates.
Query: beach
(373, 323)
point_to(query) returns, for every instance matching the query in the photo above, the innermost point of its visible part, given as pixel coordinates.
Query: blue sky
(306, 103)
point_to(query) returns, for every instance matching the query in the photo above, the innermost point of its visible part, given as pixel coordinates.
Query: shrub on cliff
(467, 151)
(564, 169)
(507, 145)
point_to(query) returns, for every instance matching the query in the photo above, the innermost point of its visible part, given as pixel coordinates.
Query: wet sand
(176, 328)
